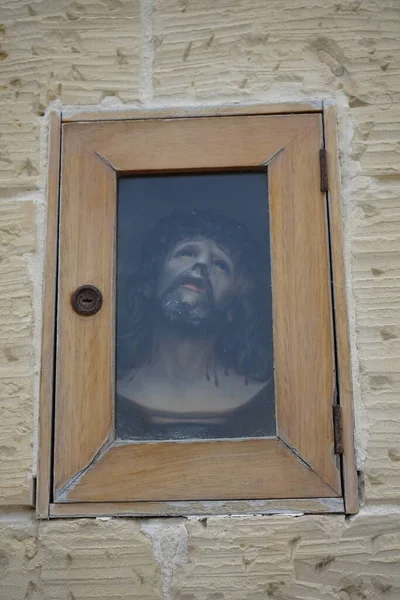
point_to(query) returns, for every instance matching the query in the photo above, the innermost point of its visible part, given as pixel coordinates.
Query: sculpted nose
(200, 268)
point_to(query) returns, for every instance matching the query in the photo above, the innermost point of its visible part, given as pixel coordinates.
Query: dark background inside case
(142, 200)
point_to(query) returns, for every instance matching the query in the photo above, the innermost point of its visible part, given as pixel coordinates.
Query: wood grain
(49, 320)
(88, 200)
(218, 111)
(167, 471)
(85, 382)
(200, 144)
(303, 334)
(341, 316)
(180, 509)
(302, 314)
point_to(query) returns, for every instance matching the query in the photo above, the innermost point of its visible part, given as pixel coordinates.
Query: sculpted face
(196, 281)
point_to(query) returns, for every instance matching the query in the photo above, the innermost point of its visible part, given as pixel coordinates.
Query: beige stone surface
(75, 52)
(242, 50)
(18, 546)
(375, 244)
(222, 558)
(81, 560)
(291, 558)
(17, 242)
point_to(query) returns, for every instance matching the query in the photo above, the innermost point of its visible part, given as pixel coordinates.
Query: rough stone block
(18, 546)
(78, 52)
(291, 558)
(76, 560)
(243, 50)
(17, 241)
(373, 229)
(253, 558)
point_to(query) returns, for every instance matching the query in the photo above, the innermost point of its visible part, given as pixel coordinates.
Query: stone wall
(119, 54)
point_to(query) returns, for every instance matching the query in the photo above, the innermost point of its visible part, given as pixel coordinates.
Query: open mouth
(195, 287)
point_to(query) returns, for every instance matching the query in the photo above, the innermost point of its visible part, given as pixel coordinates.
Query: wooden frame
(95, 475)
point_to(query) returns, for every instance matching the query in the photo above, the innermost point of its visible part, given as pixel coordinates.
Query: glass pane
(194, 318)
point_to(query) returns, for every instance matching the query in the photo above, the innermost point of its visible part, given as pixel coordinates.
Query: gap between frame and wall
(340, 312)
(193, 112)
(46, 412)
(47, 366)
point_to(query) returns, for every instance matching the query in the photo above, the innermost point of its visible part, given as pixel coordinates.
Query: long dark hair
(243, 341)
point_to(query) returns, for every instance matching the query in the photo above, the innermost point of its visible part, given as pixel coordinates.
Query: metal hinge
(337, 428)
(33, 490)
(324, 169)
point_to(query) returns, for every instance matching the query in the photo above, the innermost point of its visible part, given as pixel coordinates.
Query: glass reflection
(194, 343)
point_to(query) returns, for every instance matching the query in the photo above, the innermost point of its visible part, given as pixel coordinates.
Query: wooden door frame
(330, 502)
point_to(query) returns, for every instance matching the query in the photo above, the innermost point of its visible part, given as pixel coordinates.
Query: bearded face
(196, 282)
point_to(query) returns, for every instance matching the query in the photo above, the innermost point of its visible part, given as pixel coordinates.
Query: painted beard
(188, 304)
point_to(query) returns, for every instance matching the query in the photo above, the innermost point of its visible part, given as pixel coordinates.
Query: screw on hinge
(324, 169)
(337, 428)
